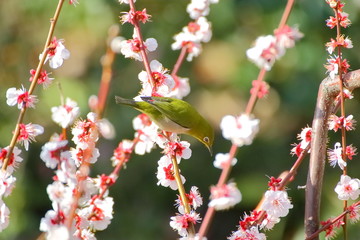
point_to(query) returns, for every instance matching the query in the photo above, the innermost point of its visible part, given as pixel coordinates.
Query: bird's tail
(129, 102)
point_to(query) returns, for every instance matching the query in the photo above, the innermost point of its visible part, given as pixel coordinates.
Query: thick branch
(328, 90)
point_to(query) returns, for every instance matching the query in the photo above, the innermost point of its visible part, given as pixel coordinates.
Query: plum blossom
(340, 41)
(21, 97)
(56, 53)
(181, 88)
(133, 17)
(241, 130)
(194, 199)
(163, 82)
(132, 48)
(4, 216)
(190, 41)
(174, 147)
(198, 8)
(88, 154)
(276, 203)
(28, 132)
(182, 222)
(122, 152)
(7, 184)
(335, 156)
(53, 152)
(348, 188)
(336, 122)
(286, 36)
(43, 78)
(225, 196)
(265, 52)
(147, 132)
(60, 195)
(66, 114)
(165, 173)
(14, 159)
(85, 132)
(99, 213)
(252, 233)
(221, 159)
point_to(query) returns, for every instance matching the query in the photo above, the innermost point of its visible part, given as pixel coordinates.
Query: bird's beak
(210, 150)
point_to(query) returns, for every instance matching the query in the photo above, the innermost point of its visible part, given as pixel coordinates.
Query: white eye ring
(206, 139)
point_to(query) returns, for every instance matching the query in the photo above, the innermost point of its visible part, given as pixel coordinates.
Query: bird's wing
(170, 108)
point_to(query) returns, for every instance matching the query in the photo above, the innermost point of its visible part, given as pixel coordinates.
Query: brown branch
(328, 90)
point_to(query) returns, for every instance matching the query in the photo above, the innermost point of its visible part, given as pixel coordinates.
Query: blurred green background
(220, 81)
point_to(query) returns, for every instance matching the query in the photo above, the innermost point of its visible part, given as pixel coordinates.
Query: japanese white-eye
(174, 115)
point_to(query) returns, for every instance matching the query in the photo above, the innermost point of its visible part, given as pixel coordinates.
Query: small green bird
(174, 115)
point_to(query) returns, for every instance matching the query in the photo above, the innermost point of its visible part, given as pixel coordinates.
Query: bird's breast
(170, 126)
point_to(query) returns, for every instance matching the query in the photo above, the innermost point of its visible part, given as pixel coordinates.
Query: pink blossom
(286, 36)
(99, 213)
(21, 97)
(348, 188)
(132, 48)
(133, 17)
(265, 52)
(89, 154)
(53, 224)
(174, 147)
(122, 152)
(163, 82)
(66, 114)
(85, 132)
(28, 132)
(222, 159)
(57, 53)
(335, 156)
(7, 183)
(53, 152)
(125, 1)
(260, 88)
(241, 130)
(60, 195)
(336, 123)
(276, 203)
(194, 199)
(4, 216)
(182, 222)
(354, 213)
(190, 41)
(198, 8)
(14, 159)
(181, 88)
(43, 78)
(248, 234)
(165, 173)
(225, 196)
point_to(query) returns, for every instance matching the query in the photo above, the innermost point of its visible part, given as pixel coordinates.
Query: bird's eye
(206, 139)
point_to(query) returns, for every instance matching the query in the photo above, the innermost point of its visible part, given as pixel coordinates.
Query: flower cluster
(305, 138)
(25, 133)
(267, 49)
(336, 64)
(241, 130)
(195, 32)
(94, 208)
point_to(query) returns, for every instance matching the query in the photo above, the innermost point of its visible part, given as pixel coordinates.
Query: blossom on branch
(66, 114)
(225, 196)
(348, 188)
(241, 130)
(13, 160)
(182, 222)
(56, 53)
(28, 132)
(21, 97)
(276, 203)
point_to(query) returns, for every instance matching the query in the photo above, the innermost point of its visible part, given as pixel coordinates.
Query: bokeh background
(220, 81)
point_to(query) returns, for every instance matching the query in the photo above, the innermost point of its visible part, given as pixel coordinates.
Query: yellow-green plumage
(174, 115)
